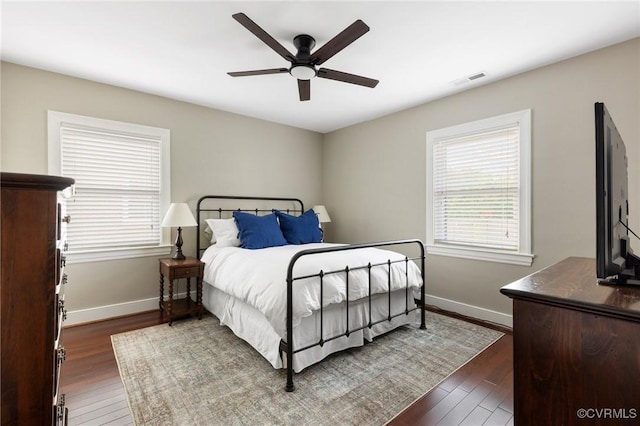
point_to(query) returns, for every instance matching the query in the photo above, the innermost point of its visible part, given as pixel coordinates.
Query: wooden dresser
(576, 347)
(31, 298)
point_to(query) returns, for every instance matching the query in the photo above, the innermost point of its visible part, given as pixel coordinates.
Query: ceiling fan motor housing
(304, 43)
(302, 68)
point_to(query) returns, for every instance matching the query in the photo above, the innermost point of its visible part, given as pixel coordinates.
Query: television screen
(615, 261)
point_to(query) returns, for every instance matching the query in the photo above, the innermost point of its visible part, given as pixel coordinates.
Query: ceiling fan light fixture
(303, 72)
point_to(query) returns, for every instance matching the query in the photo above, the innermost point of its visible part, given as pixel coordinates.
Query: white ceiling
(183, 50)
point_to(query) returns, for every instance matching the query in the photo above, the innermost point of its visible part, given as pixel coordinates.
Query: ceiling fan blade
(304, 89)
(339, 42)
(246, 22)
(346, 77)
(257, 72)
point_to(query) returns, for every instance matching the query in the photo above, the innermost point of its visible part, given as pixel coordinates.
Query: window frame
(523, 256)
(54, 121)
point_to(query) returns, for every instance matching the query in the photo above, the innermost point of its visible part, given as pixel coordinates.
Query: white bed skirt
(249, 324)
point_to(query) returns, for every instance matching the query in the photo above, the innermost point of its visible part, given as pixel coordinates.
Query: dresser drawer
(63, 219)
(62, 222)
(59, 355)
(61, 316)
(62, 280)
(61, 262)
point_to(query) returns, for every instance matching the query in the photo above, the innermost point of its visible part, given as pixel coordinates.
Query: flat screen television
(615, 261)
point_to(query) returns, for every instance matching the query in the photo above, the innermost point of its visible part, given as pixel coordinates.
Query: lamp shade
(178, 215)
(323, 215)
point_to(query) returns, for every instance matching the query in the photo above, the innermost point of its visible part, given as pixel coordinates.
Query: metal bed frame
(286, 346)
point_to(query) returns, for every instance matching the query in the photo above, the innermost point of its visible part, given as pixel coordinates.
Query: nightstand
(171, 269)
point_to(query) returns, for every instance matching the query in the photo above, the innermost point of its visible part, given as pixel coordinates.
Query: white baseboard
(470, 310)
(98, 313)
(127, 308)
(82, 316)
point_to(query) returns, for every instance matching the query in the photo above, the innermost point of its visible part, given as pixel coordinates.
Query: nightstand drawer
(193, 271)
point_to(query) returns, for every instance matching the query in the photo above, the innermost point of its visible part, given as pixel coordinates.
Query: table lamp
(323, 215)
(178, 216)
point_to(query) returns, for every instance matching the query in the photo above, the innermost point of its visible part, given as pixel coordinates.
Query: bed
(291, 296)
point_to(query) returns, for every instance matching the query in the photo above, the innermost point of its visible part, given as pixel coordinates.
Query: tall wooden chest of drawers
(31, 298)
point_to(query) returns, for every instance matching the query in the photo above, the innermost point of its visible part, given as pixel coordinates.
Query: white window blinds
(479, 190)
(476, 187)
(118, 187)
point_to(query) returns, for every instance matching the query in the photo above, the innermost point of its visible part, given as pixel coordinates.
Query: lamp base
(178, 255)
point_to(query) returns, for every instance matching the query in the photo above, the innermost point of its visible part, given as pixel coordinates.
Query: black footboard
(288, 347)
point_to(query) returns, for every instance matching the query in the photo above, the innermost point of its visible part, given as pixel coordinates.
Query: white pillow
(225, 232)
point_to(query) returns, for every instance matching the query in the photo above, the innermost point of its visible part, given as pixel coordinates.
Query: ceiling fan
(304, 63)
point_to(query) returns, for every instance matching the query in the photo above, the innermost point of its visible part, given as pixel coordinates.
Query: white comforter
(258, 277)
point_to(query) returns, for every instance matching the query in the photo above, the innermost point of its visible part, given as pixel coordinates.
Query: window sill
(116, 254)
(521, 259)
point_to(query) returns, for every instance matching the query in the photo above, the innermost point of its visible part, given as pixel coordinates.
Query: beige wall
(374, 174)
(370, 176)
(212, 152)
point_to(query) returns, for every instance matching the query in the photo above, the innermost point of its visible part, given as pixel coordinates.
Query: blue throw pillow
(301, 229)
(256, 232)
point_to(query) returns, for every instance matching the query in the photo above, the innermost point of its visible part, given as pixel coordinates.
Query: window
(478, 190)
(122, 185)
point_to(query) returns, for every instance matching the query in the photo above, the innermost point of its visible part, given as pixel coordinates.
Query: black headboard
(223, 206)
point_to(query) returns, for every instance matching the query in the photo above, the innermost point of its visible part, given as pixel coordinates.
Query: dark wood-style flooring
(479, 393)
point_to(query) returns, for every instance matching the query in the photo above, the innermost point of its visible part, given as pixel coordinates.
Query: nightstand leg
(199, 298)
(161, 292)
(188, 288)
(170, 301)
(199, 292)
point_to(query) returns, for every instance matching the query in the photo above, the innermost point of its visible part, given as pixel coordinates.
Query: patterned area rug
(199, 373)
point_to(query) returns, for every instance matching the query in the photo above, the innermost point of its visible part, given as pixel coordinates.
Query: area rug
(197, 372)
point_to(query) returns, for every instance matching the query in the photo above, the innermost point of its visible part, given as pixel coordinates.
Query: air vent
(468, 78)
(476, 76)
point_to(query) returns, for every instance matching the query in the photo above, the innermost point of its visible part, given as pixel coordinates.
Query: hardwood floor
(479, 393)
(90, 378)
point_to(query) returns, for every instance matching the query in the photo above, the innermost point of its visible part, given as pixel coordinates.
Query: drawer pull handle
(63, 260)
(62, 355)
(62, 310)
(64, 278)
(60, 409)
(66, 219)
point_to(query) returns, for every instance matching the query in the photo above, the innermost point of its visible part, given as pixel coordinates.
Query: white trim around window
(441, 242)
